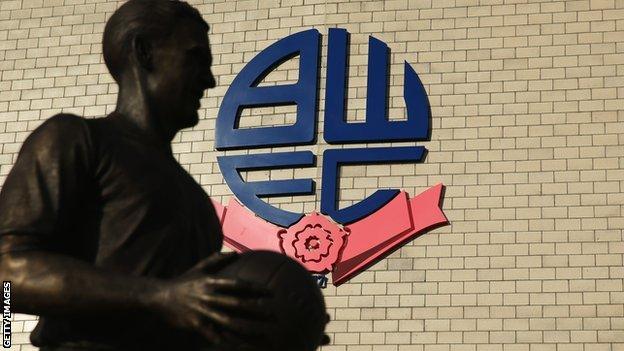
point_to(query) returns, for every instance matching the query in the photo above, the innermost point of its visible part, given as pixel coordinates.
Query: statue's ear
(142, 50)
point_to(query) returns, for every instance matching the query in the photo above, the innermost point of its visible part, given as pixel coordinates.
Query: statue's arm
(41, 198)
(46, 283)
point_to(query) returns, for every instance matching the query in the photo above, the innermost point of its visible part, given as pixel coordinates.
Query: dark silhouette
(102, 233)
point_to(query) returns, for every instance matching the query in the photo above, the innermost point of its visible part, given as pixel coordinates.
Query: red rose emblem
(314, 241)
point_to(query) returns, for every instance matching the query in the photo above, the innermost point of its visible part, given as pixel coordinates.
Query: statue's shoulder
(60, 131)
(63, 125)
(63, 121)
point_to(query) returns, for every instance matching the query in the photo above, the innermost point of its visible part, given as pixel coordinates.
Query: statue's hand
(221, 310)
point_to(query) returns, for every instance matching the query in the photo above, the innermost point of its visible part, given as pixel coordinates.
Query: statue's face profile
(180, 74)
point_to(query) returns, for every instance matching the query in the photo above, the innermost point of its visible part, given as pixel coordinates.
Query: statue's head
(164, 45)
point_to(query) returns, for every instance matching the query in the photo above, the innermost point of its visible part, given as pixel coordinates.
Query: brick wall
(527, 101)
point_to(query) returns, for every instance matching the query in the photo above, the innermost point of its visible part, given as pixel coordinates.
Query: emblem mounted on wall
(342, 241)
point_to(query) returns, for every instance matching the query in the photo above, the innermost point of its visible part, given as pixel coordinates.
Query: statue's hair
(152, 20)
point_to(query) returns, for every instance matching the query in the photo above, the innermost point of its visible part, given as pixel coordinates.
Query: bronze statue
(102, 233)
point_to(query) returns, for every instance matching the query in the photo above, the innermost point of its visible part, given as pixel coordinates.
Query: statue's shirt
(101, 191)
